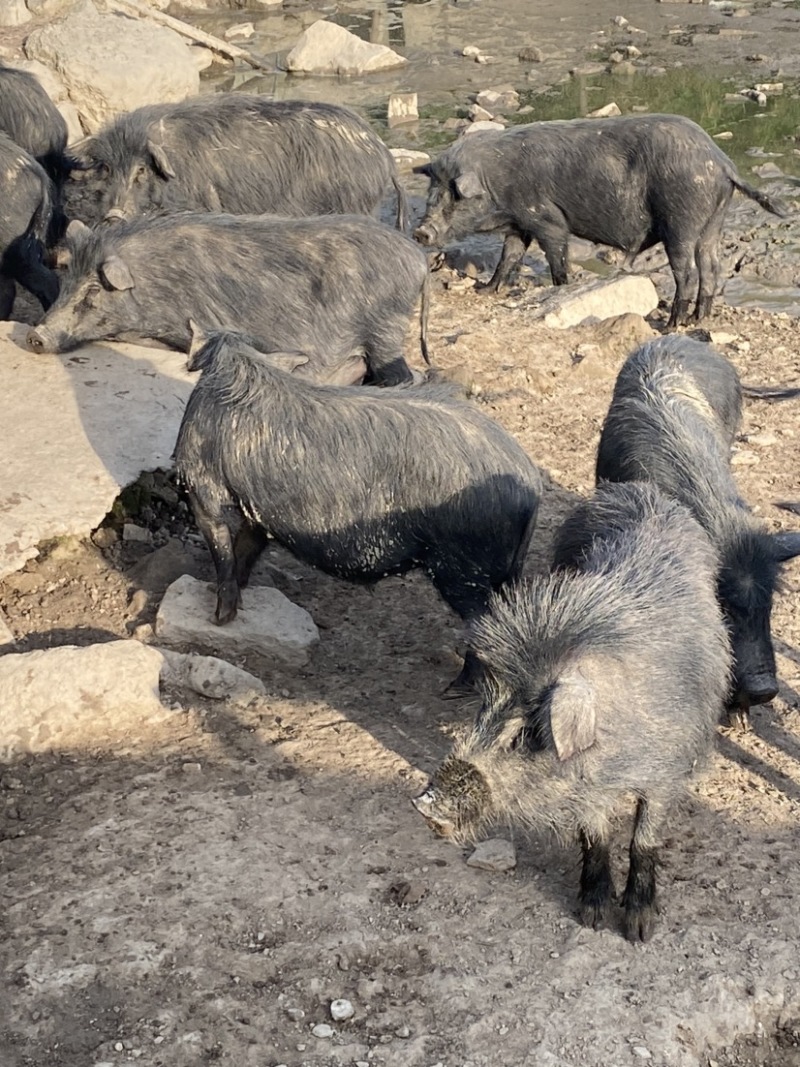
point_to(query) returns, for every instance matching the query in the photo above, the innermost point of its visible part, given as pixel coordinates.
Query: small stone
(105, 536)
(620, 20)
(476, 127)
(471, 51)
(743, 457)
(642, 1052)
(768, 170)
(341, 1010)
(764, 440)
(616, 57)
(483, 59)
(722, 337)
(406, 158)
(632, 52)
(191, 769)
(530, 55)
(322, 1030)
(118, 1046)
(132, 532)
(726, 135)
(402, 108)
(496, 854)
(402, 1032)
(770, 88)
(242, 30)
(480, 114)
(295, 1014)
(609, 111)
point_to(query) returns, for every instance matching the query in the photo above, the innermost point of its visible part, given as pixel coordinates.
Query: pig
(27, 196)
(241, 154)
(629, 182)
(360, 483)
(601, 681)
(339, 288)
(675, 411)
(30, 118)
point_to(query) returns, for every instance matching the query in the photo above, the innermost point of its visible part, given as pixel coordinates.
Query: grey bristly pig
(601, 682)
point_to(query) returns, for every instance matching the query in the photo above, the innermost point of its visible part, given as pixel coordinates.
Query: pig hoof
(225, 615)
(593, 914)
(739, 719)
(640, 922)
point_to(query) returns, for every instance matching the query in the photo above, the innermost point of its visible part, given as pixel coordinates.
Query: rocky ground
(201, 888)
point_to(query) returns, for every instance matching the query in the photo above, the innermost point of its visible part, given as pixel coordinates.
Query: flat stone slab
(210, 677)
(77, 428)
(68, 697)
(268, 624)
(571, 305)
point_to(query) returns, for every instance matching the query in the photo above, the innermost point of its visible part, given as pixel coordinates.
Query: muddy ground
(202, 892)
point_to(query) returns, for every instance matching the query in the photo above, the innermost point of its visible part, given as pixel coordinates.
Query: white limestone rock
(326, 48)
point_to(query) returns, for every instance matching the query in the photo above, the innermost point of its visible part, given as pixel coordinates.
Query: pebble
(118, 1047)
(402, 1031)
(642, 1052)
(341, 1009)
(496, 854)
(243, 30)
(620, 20)
(322, 1030)
(471, 51)
(726, 135)
(295, 1013)
(605, 112)
(763, 439)
(132, 532)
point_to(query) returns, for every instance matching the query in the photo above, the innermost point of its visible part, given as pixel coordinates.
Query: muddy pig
(339, 288)
(31, 119)
(675, 410)
(629, 182)
(27, 196)
(600, 682)
(361, 483)
(239, 153)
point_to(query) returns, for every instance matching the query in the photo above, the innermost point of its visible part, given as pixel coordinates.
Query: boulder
(268, 623)
(67, 698)
(567, 306)
(75, 430)
(111, 63)
(6, 636)
(14, 13)
(326, 48)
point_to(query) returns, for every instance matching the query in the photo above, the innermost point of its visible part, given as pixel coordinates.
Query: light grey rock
(75, 430)
(268, 624)
(569, 306)
(406, 158)
(606, 112)
(322, 1030)
(402, 108)
(52, 7)
(110, 63)
(7, 638)
(242, 31)
(210, 677)
(132, 532)
(341, 1010)
(14, 13)
(496, 854)
(67, 698)
(498, 98)
(476, 127)
(326, 48)
(480, 114)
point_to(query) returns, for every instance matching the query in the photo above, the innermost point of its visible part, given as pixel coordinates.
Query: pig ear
(785, 546)
(572, 716)
(160, 159)
(115, 274)
(77, 232)
(425, 168)
(469, 185)
(199, 338)
(288, 362)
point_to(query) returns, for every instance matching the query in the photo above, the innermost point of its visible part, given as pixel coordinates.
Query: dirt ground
(200, 894)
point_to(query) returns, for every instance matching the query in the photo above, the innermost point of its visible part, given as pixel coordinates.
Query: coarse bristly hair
(637, 638)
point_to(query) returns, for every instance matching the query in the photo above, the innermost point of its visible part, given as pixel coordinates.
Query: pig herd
(239, 230)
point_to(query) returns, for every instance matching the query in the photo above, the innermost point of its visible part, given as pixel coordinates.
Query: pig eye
(87, 300)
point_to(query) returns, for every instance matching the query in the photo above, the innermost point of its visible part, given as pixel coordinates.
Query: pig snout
(758, 689)
(40, 339)
(425, 234)
(427, 804)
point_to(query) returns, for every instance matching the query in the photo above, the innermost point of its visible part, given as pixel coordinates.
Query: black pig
(600, 684)
(360, 483)
(31, 119)
(338, 288)
(27, 197)
(673, 416)
(242, 154)
(629, 182)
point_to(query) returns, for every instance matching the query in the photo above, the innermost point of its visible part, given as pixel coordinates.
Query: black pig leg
(708, 266)
(680, 257)
(553, 239)
(597, 887)
(514, 248)
(220, 544)
(383, 352)
(7, 291)
(248, 545)
(639, 899)
(23, 260)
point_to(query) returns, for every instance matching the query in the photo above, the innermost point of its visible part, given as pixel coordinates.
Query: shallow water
(671, 79)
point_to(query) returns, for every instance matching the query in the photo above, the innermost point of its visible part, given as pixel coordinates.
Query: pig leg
(248, 545)
(680, 257)
(217, 535)
(514, 248)
(24, 261)
(7, 292)
(553, 238)
(708, 266)
(639, 898)
(597, 886)
(467, 593)
(383, 351)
